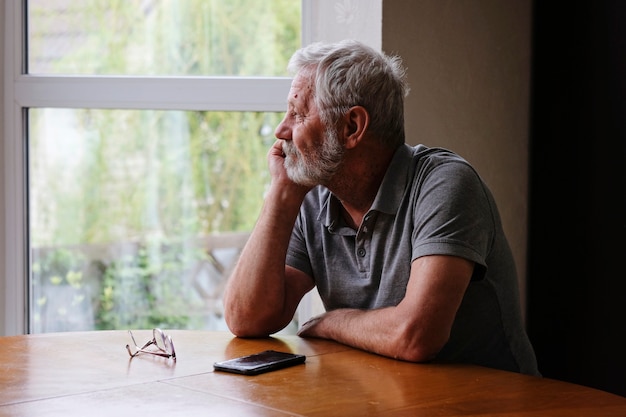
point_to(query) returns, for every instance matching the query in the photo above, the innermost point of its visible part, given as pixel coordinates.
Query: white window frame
(360, 20)
(265, 94)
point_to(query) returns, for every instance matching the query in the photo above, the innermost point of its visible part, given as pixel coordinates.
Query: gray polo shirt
(431, 202)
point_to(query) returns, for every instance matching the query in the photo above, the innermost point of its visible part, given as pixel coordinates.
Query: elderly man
(404, 244)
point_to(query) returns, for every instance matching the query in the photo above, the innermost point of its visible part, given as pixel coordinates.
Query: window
(132, 213)
(147, 127)
(134, 148)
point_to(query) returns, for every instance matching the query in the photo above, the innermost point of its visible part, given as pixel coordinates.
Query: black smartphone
(258, 363)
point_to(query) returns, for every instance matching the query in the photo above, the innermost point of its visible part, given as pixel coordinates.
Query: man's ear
(356, 123)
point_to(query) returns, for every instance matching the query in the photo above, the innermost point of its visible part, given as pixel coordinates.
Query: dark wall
(577, 224)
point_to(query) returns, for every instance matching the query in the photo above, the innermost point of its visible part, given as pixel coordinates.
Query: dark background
(577, 226)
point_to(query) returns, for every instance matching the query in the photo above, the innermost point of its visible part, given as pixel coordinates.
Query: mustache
(289, 149)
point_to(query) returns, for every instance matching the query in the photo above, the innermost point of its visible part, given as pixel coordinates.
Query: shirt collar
(394, 182)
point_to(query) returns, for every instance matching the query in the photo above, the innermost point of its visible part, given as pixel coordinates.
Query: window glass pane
(162, 37)
(136, 216)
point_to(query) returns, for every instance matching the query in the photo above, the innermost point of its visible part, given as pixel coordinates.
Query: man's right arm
(262, 294)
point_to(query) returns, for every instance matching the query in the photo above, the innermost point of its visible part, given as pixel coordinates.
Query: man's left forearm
(376, 331)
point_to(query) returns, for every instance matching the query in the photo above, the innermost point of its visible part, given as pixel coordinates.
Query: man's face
(313, 152)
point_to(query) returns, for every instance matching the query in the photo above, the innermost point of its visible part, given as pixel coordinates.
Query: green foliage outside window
(149, 180)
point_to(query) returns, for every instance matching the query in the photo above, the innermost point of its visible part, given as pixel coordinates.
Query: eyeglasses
(160, 345)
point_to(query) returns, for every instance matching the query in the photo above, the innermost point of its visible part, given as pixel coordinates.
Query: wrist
(287, 194)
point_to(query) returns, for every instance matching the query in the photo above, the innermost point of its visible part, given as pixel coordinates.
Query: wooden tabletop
(91, 374)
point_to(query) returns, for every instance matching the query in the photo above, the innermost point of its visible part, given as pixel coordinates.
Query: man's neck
(357, 183)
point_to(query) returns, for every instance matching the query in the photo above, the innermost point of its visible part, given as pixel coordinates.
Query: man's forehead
(301, 88)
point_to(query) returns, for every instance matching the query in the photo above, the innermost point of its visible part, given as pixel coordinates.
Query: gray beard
(318, 167)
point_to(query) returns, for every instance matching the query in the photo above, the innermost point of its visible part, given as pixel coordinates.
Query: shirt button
(361, 252)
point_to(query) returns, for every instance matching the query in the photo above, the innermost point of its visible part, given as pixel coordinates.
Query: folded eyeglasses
(160, 345)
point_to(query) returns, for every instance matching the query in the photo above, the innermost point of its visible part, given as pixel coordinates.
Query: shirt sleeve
(453, 214)
(297, 253)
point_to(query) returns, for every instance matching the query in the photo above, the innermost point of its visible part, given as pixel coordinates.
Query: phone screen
(258, 363)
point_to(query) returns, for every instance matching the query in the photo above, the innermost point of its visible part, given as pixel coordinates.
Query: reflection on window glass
(136, 216)
(162, 37)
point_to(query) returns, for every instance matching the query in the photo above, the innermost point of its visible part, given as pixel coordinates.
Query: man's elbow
(245, 331)
(419, 348)
(249, 324)
(242, 326)
(417, 354)
(236, 327)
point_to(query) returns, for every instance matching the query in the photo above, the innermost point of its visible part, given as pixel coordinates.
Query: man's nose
(283, 130)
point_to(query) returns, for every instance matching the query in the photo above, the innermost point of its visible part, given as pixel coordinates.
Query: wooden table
(90, 374)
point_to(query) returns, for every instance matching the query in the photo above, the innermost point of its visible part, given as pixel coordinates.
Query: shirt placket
(363, 243)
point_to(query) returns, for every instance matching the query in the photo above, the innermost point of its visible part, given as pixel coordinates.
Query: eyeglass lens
(163, 345)
(163, 342)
